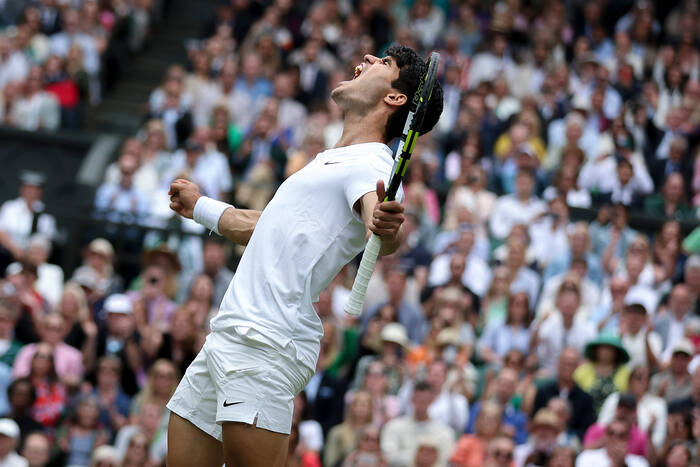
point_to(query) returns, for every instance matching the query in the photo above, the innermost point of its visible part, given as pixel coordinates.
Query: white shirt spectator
(590, 295)
(120, 204)
(16, 220)
(476, 276)
(553, 337)
(400, 435)
(549, 243)
(602, 174)
(210, 172)
(636, 347)
(13, 460)
(40, 111)
(509, 211)
(487, 66)
(599, 458)
(648, 407)
(62, 42)
(50, 282)
(15, 67)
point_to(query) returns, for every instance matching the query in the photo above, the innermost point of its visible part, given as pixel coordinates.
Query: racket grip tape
(359, 287)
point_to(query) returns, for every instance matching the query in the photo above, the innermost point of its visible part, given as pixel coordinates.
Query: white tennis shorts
(237, 378)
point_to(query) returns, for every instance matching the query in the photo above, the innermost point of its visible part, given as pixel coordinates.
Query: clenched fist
(183, 196)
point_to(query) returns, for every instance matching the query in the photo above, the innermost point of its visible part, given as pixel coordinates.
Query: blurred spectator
(625, 411)
(50, 276)
(544, 430)
(78, 436)
(118, 337)
(343, 438)
(399, 435)
(670, 201)
(605, 371)
(671, 323)
(21, 394)
(470, 449)
(51, 393)
(114, 405)
(9, 346)
(37, 450)
(521, 207)
(68, 360)
(35, 109)
(674, 382)
(650, 409)
(9, 436)
(514, 333)
(368, 449)
(513, 419)
(638, 337)
(614, 450)
(580, 402)
(148, 423)
(22, 217)
(122, 201)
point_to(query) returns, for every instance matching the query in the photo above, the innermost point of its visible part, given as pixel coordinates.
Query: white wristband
(207, 212)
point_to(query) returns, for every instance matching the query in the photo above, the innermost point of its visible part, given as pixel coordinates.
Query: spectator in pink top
(68, 360)
(627, 412)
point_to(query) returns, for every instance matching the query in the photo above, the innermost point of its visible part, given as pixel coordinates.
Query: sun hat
(607, 339)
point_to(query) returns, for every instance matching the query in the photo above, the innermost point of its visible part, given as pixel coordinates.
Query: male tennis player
(264, 343)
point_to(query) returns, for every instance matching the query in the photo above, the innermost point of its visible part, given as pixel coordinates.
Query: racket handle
(359, 287)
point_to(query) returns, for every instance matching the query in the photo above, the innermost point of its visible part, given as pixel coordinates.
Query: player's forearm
(237, 225)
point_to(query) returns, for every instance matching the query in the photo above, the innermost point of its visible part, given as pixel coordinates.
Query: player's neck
(359, 129)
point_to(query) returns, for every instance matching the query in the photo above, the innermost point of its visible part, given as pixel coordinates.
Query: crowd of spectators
(53, 54)
(503, 332)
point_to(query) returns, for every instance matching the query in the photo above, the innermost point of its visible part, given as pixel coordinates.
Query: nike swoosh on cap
(229, 404)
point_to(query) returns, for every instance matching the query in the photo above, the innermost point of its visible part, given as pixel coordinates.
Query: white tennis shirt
(304, 236)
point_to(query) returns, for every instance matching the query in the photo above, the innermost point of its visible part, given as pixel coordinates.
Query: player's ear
(395, 99)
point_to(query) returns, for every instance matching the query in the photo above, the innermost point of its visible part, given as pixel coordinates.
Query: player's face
(371, 81)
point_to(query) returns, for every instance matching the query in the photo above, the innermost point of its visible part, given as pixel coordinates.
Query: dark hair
(411, 69)
(13, 387)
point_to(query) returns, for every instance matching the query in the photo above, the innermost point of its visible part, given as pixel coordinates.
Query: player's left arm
(382, 218)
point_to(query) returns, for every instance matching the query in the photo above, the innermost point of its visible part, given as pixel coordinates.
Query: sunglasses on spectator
(153, 280)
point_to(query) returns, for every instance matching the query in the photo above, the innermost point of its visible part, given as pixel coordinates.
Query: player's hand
(387, 216)
(183, 196)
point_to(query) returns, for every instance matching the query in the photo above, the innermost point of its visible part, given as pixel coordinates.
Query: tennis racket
(411, 129)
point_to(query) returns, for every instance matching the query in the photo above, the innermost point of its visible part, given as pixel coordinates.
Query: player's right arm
(235, 224)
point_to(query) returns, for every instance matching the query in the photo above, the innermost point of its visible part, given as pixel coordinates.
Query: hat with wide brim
(396, 333)
(148, 257)
(607, 339)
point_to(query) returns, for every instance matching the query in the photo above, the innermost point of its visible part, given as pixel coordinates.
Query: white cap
(85, 276)
(102, 247)
(118, 303)
(9, 427)
(641, 295)
(395, 332)
(683, 346)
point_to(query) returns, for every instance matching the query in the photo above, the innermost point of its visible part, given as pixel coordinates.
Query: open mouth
(358, 71)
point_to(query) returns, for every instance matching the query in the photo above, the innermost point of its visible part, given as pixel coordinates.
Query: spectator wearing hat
(674, 382)
(104, 456)
(605, 371)
(637, 333)
(544, 431)
(565, 387)
(614, 450)
(651, 409)
(625, 411)
(22, 217)
(118, 337)
(400, 434)
(99, 255)
(671, 322)
(68, 360)
(9, 436)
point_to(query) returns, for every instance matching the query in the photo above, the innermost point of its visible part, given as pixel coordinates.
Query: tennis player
(234, 403)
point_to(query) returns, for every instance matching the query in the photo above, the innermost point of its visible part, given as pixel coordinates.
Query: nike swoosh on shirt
(329, 163)
(229, 404)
